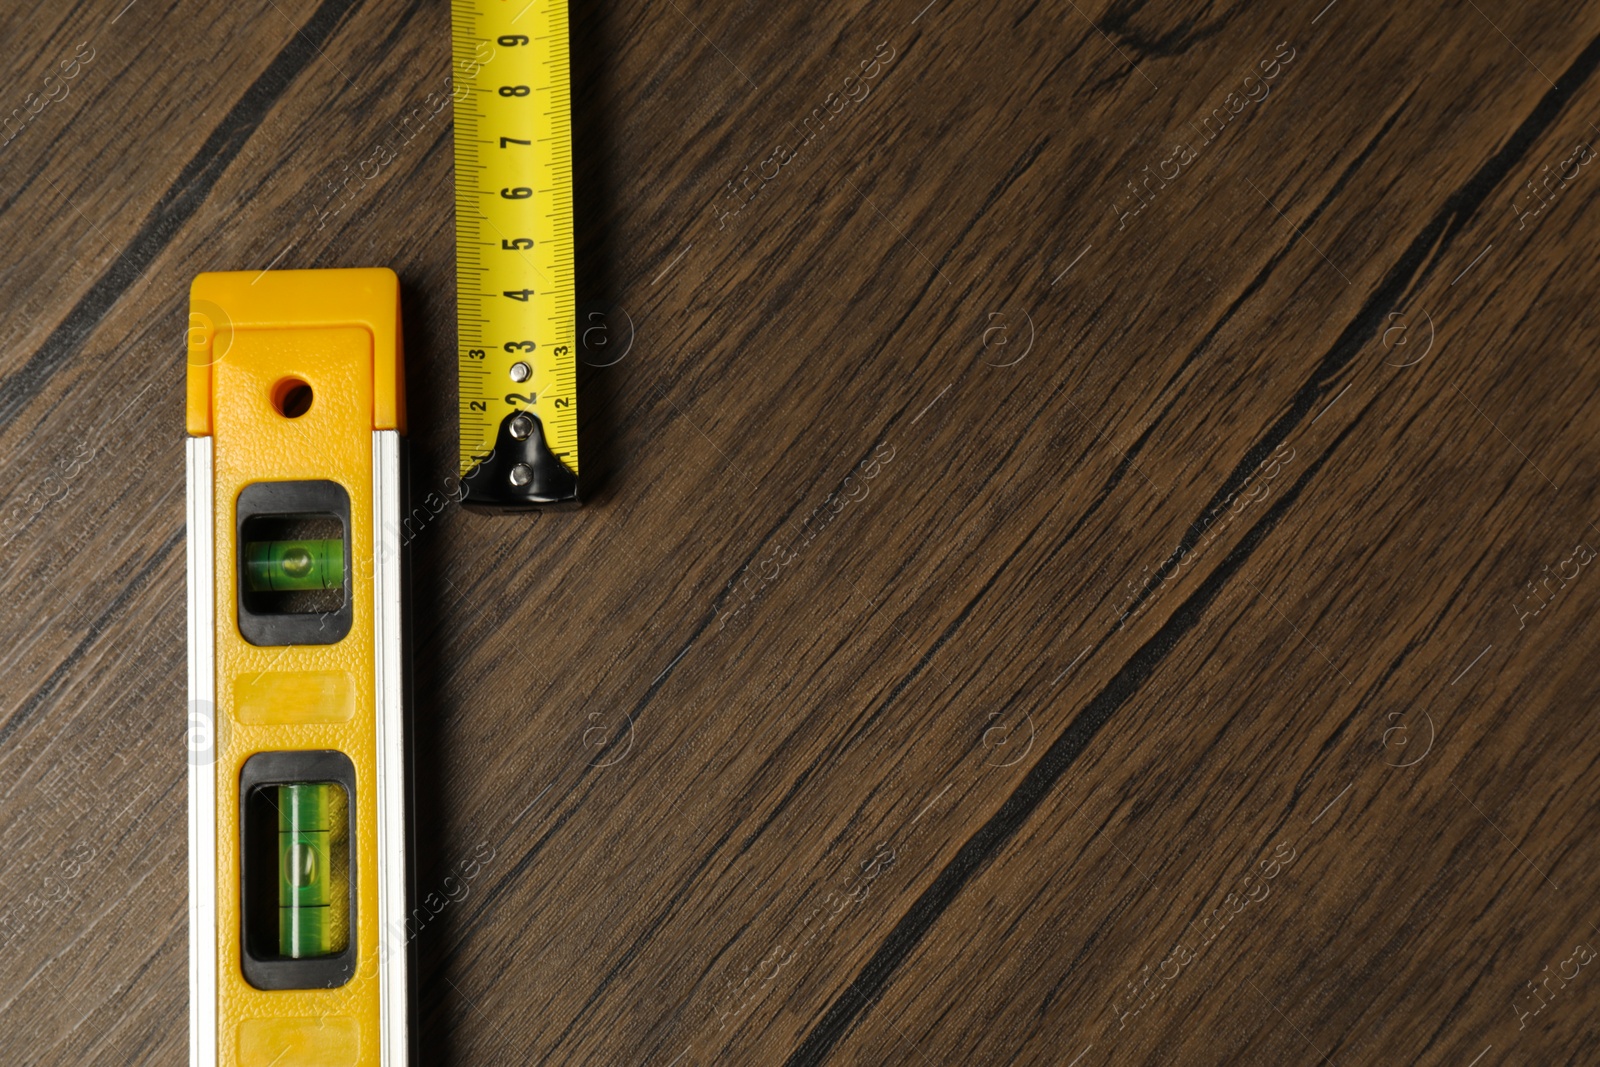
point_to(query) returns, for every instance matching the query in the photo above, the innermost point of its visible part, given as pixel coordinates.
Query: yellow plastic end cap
(222, 303)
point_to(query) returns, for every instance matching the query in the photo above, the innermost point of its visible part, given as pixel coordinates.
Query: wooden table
(1087, 555)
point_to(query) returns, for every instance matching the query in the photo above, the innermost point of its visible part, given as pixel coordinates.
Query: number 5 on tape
(299, 884)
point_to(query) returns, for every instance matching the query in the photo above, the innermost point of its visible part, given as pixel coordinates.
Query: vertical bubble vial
(313, 869)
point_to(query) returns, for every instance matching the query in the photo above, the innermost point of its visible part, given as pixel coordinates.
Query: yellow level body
(514, 252)
(298, 795)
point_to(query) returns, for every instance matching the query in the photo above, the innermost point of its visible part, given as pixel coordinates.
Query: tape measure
(517, 361)
(300, 887)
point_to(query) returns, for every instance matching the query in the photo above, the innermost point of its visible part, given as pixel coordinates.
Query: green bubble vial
(313, 870)
(291, 566)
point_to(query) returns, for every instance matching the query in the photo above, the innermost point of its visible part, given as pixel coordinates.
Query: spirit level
(299, 885)
(514, 254)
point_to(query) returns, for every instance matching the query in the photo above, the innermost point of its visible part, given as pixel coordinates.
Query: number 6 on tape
(299, 809)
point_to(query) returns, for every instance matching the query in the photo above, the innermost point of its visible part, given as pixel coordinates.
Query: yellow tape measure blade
(514, 254)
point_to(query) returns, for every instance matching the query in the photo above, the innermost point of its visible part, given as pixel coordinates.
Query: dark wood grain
(1087, 557)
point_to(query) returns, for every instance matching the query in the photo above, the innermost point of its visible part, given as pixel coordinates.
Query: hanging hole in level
(291, 397)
